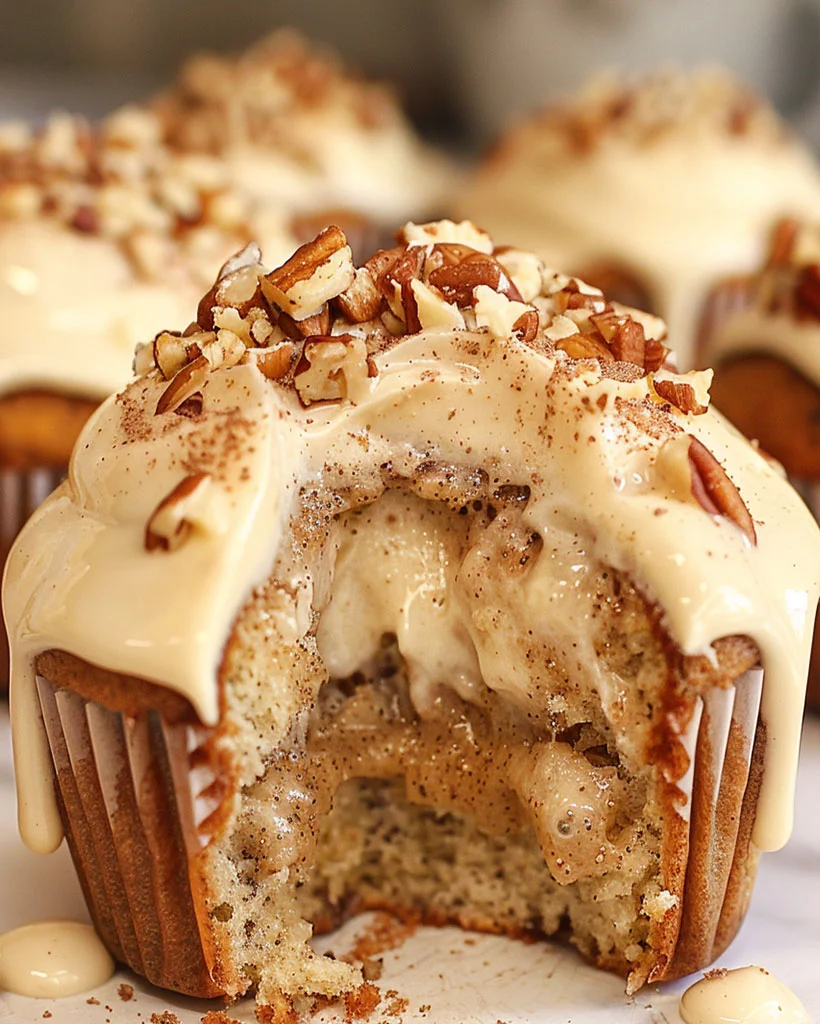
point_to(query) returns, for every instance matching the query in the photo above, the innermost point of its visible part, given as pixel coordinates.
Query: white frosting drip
(79, 578)
(773, 334)
(681, 212)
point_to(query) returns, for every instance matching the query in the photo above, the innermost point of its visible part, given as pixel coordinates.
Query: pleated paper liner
(21, 491)
(133, 805)
(809, 491)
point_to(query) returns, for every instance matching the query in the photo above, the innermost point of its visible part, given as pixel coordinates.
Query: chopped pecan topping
(169, 526)
(186, 383)
(624, 336)
(715, 491)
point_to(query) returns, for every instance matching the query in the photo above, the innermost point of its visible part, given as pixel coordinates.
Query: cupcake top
(676, 178)
(776, 312)
(440, 364)
(297, 126)
(105, 236)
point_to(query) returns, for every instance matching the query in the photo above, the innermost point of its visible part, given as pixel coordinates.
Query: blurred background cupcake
(110, 232)
(762, 335)
(649, 189)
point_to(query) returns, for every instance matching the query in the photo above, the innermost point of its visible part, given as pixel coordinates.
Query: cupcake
(422, 584)
(762, 333)
(300, 129)
(650, 189)
(106, 236)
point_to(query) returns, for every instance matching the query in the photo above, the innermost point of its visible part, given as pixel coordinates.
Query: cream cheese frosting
(746, 995)
(105, 238)
(594, 441)
(677, 180)
(296, 127)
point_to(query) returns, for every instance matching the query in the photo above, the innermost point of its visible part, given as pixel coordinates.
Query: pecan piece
(457, 282)
(715, 491)
(331, 368)
(318, 271)
(273, 363)
(624, 336)
(584, 346)
(168, 527)
(362, 301)
(186, 383)
(681, 395)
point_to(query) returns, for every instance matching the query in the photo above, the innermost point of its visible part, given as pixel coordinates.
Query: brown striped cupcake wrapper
(21, 492)
(134, 794)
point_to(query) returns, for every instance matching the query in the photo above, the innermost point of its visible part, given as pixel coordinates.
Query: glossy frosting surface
(747, 995)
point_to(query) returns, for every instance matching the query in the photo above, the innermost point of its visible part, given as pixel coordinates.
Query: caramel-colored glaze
(771, 401)
(52, 959)
(38, 428)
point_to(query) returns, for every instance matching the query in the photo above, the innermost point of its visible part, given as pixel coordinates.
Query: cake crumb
(217, 1017)
(126, 992)
(396, 1007)
(716, 972)
(166, 1017)
(383, 933)
(424, 1008)
(372, 968)
(92, 1001)
(46, 1014)
(361, 1002)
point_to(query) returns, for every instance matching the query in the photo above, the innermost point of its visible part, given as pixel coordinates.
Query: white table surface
(463, 978)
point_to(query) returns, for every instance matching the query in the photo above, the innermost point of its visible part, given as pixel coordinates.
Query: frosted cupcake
(433, 547)
(652, 189)
(299, 128)
(763, 335)
(105, 236)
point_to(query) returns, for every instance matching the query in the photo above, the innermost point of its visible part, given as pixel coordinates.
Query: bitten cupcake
(762, 333)
(420, 584)
(106, 235)
(651, 189)
(298, 127)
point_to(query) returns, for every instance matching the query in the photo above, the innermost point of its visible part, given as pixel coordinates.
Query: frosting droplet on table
(51, 959)
(747, 995)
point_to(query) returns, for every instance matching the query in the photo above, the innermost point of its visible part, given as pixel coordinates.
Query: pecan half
(715, 491)
(168, 528)
(186, 383)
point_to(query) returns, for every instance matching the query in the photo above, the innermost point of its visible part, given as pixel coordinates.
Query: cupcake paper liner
(21, 491)
(136, 794)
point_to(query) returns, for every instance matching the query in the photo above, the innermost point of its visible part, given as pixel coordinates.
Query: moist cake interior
(377, 769)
